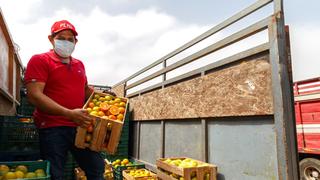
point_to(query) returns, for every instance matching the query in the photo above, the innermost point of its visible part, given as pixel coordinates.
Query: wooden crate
(106, 134)
(127, 176)
(108, 175)
(186, 173)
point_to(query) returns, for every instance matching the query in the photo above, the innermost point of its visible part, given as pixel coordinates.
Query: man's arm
(46, 104)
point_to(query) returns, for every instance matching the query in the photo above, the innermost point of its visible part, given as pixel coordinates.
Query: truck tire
(309, 169)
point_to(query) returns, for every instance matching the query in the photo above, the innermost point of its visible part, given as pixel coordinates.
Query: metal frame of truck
(284, 126)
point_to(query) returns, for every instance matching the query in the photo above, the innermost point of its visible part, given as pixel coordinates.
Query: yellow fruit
(94, 113)
(101, 113)
(96, 96)
(111, 102)
(30, 175)
(122, 104)
(120, 117)
(40, 174)
(125, 161)
(96, 108)
(19, 174)
(10, 175)
(117, 100)
(89, 110)
(108, 98)
(39, 171)
(3, 169)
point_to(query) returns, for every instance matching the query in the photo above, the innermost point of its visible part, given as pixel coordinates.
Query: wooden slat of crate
(186, 172)
(116, 129)
(82, 132)
(127, 176)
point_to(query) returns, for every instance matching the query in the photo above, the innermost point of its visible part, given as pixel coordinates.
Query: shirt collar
(56, 58)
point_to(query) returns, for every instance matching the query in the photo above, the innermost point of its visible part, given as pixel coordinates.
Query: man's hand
(79, 116)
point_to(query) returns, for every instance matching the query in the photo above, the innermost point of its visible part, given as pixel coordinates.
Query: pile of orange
(107, 107)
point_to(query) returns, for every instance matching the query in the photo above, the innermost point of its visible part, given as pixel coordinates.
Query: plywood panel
(240, 89)
(243, 148)
(119, 90)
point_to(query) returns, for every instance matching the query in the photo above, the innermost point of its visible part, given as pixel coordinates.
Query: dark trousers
(54, 146)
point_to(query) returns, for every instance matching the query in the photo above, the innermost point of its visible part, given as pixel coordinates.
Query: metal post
(204, 140)
(282, 100)
(162, 139)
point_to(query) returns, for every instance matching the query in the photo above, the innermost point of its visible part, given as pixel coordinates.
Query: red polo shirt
(65, 84)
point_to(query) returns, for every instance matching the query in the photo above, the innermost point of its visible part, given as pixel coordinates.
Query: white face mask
(63, 48)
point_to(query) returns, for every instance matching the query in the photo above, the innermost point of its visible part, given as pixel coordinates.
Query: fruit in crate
(107, 107)
(123, 162)
(140, 173)
(19, 172)
(4, 169)
(183, 163)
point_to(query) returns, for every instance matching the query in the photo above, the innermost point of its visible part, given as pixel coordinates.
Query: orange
(120, 117)
(10, 175)
(104, 106)
(90, 129)
(91, 105)
(113, 117)
(88, 137)
(101, 113)
(101, 99)
(122, 110)
(116, 104)
(114, 110)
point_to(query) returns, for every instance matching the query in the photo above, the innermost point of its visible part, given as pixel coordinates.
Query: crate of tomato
(107, 114)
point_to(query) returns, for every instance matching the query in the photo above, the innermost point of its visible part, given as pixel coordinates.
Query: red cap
(63, 25)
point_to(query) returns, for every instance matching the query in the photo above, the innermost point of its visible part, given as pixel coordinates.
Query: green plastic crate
(117, 172)
(32, 166)
(16, 136)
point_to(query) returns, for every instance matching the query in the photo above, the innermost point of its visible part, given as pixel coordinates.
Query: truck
(307, 112)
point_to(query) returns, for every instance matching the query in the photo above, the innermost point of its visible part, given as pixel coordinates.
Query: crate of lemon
(29, 170)
(183, 168)
(140, 174)
(107, 114)
(119, 165)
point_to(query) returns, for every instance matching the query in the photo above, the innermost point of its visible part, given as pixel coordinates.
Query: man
(57, 85)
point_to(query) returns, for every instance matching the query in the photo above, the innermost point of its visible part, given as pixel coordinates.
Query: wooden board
(186, 173)
(126, 175)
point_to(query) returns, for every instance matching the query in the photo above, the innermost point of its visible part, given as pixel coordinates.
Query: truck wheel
(310, 169)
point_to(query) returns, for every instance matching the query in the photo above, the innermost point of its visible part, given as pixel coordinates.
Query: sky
(119, 37)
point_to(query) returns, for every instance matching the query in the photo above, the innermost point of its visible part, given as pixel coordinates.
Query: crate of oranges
(108, 113)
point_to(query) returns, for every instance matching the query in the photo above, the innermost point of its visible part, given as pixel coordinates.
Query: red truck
(307, 110)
